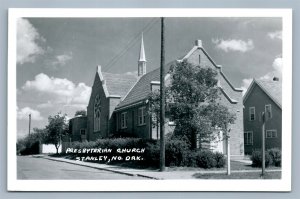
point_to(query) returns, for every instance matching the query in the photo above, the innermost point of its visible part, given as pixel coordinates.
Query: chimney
(198, 43)
(276, 79)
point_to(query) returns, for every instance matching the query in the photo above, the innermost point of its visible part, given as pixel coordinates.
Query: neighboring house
(78, 129)
(119, 102)
(262, 96)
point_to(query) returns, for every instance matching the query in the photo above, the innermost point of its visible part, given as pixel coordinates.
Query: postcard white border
(284, 184)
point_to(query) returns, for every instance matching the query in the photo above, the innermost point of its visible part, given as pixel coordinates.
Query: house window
(268, 111)
(82, 131)
(252, 113)
(97, 113)
(124, 120)
(142, 116)
(271, 133)
(248, 136)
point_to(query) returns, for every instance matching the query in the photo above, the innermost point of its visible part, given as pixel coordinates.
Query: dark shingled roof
(142, 88)
(119, 84)
(272, 88)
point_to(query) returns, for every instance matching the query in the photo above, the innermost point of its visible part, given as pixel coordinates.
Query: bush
(220, 159)
(256, 159)
(275, 154)
(206, 159)
(176, 151)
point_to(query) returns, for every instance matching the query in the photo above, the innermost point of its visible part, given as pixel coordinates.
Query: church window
(97, 113)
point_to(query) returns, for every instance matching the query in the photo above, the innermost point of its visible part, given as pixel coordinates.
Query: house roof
(272, 88)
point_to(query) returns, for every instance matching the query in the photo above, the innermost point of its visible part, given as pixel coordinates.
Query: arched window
(97, 113)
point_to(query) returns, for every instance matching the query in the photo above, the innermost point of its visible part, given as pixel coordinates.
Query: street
(33, 168)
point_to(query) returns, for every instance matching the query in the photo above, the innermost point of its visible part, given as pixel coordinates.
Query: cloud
(245, 84)
(48, 104)
(62, 90)
(275, 35)
(233, 45)
(276, 72)
(27, 42)
(62, 59)
(24, 114)
(135, 73)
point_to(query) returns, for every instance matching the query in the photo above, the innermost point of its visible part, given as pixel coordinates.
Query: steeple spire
(142, 59)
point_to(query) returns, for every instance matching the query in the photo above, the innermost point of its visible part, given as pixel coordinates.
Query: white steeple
(142, 59)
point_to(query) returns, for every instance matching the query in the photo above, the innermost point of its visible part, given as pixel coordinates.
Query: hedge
(272, 158)
(177, 153)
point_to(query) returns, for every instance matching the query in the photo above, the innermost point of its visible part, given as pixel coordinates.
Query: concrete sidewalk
(147, 173)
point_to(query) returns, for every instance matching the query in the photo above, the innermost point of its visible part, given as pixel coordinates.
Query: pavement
(152, 174)
(34, 168)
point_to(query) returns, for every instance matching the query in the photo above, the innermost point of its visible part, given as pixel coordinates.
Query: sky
(57, 57)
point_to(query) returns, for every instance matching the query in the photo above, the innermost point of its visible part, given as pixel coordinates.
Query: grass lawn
(240, 175)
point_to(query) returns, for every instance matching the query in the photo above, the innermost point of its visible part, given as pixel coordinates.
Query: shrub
(206, 159)
(190, 159)
(275, 154)
(176, 151)
(256, 159)
(220, 160)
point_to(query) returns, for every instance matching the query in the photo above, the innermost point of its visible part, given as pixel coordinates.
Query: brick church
(118, 103)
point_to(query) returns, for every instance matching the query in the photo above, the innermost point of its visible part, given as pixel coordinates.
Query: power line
(131, 43)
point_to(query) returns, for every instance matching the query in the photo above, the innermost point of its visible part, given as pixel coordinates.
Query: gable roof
(119, 84)
(116, 85)
(142, 88)
(272, 88)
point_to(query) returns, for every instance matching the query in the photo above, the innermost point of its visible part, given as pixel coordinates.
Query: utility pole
(162, 98)
(263, 144)
(228, 153)
(29, 123)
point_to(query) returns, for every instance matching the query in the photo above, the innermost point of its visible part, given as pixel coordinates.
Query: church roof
(117, 84)
(272, 88)
(142, 88)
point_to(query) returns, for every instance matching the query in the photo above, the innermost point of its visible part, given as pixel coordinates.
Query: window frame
(247, 137)
(271, 115)
(141, 116)
(82, 130)
(252, 108)
(97, 120)
(124, 122)
(271, 130)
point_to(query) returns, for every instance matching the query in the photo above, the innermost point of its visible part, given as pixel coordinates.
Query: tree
(57, 128)
(80, 112)
(193, 97)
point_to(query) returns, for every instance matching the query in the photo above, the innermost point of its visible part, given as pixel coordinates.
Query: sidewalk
(150, 174)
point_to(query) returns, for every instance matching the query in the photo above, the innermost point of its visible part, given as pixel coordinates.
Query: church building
(118, 103)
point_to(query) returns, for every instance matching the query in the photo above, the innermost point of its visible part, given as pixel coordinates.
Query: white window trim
(143, 116)
(251, 108)
(271, 130)
(124, 125)
(246, 134)
(270, 110)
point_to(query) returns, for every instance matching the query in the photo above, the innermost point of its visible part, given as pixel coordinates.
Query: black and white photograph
(149, 100)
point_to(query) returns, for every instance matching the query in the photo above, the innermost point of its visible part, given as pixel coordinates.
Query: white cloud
(135, 73)
(48, 104)
(277, 72)
(275, 35)
(233, 45)
(24, 114)
(62, 59)
(62, 90)
(245, 84)
(27, 42)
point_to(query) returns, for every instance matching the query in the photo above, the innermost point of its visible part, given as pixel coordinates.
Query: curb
(94, 167)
